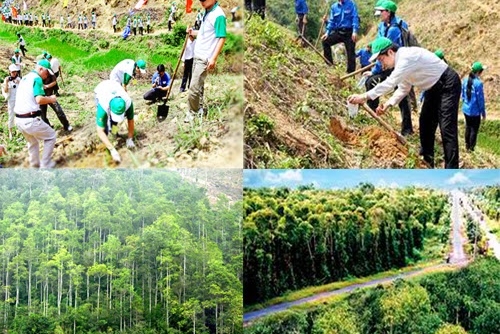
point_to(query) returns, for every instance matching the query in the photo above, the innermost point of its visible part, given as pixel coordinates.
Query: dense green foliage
(489, 201)
(97, 251)
(466, 301)
(305, 237)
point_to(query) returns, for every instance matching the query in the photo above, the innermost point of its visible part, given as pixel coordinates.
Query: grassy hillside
(88, 56)
(296, 113)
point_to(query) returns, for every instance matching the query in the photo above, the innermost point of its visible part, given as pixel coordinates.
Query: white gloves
(130, 143)
(115, 155)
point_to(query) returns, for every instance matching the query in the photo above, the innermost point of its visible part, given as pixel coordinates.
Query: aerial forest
(294, 238)
(121, 251)
(460, 302)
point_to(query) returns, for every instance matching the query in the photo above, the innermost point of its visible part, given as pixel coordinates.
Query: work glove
(130, 143)
(115, 155)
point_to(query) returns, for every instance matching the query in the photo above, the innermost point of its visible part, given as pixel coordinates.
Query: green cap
(117, 106)
(48, 56)
(379, 45)
(477, 67)
(17, 51)
(387, 5)
(439, 53)
(45, 64)
(142, 65)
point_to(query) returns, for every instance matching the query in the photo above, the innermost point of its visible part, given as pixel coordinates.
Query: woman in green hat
(473, 104)
(415, 66)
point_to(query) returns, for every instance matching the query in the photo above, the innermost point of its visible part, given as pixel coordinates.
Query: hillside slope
(296, 115)
(88, 56)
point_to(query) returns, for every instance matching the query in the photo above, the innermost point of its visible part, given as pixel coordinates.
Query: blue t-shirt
(364, 57)
(393, 32)
(301, 7)
(475, 106)
(164, 81)
(343, 16)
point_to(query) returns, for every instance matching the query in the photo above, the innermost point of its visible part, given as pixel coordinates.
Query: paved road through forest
(457, 258)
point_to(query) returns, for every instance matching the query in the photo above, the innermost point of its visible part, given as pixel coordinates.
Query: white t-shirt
(25, 99)
(108, 90)
(118, 72)
(207, 36)
(54, 64)
(12, 85)
(413, 66)
(189, 52)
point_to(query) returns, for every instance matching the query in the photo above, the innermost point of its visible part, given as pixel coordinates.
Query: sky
(348, 178)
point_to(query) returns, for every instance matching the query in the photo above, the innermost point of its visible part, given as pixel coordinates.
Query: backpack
(407, 36)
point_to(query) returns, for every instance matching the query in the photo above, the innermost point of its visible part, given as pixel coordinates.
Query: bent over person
(415, 66)
(30, 95)
(113, 104)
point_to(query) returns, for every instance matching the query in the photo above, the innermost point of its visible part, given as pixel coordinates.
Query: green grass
(489, 136)
(310, 291)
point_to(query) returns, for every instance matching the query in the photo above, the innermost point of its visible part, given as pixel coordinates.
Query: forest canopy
(129, 251)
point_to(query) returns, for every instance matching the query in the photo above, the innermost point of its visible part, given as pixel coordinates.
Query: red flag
(189, 5)
(14, 12)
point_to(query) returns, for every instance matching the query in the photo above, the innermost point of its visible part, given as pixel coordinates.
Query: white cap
(13, 68)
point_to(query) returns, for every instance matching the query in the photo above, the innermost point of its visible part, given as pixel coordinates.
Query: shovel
(162, 112)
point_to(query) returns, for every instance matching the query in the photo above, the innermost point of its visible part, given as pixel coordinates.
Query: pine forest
(123, 251)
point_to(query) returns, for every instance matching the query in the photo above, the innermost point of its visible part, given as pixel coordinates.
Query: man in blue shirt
(301, 10)
(342, 27)
(161, 85)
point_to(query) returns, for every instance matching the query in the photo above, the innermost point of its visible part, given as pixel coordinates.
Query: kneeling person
(161, 85)
(113, 104)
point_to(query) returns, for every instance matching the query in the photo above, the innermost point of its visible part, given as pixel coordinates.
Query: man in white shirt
(210, 39)
(414, 66)
(125, 70)
(30, 95)
(22, 44)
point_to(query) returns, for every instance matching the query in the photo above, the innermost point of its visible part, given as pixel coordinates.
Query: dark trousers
(441, 108)
(341, 36)
(404, 105)
(300, 25)
(59, 112)
(257, 6)
(114, 27)
(148, 29)
(154, 94)
(23, 50)
(141, 30)
(472, 124)
(186, 78)
(134, 30)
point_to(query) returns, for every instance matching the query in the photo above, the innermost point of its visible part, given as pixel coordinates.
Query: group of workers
(29, 95)
(401, 67)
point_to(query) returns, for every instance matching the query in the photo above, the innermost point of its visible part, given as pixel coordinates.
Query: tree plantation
(135, 251)
(305, 237)
(466, 301)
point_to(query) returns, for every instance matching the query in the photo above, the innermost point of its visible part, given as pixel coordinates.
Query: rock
(214, 140)
(203, 141)
(185, 157)
(170, 160)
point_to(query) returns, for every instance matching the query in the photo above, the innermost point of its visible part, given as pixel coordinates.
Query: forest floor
(214, 141)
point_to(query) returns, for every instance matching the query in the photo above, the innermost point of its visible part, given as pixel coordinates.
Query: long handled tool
(386, 125)
(319, 33)
(315, 50)
(162, 112)
(367, 67)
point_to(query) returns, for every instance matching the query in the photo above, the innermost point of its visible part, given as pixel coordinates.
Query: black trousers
(154, 94)
(441, 108)
(186, 77)
(23, 50)
(404, 105)
(134, 30)
(59, 112)
(472, 124)
(114, 27)
(257, 6)
(341, 36)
